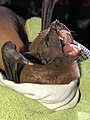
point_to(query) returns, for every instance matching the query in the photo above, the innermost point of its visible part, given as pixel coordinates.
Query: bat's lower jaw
(72, 50)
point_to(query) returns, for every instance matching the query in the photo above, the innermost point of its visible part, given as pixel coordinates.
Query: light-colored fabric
(54, 97)
(85, 52)
(15, 106)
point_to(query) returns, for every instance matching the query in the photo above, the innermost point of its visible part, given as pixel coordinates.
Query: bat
(53, 55)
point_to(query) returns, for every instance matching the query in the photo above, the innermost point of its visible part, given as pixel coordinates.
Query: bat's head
(54, 42)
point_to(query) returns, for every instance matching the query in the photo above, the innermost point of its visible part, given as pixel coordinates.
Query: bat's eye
(47, 44)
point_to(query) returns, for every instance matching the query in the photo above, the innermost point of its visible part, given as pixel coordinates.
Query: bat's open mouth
(67, 40)
(54, 42)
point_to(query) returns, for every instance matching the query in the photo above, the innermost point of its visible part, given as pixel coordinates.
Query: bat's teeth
(60, 38)
(68, 32)
(29, 63)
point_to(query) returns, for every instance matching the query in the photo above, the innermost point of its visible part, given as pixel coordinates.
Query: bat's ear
(47, 10)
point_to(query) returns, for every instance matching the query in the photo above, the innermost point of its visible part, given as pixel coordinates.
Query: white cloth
(54, 97)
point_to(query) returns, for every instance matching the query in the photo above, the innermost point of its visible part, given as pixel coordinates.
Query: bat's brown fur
(56, 66)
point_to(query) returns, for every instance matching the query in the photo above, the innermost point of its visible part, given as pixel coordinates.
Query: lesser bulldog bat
(57, 56)
(53, 53)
